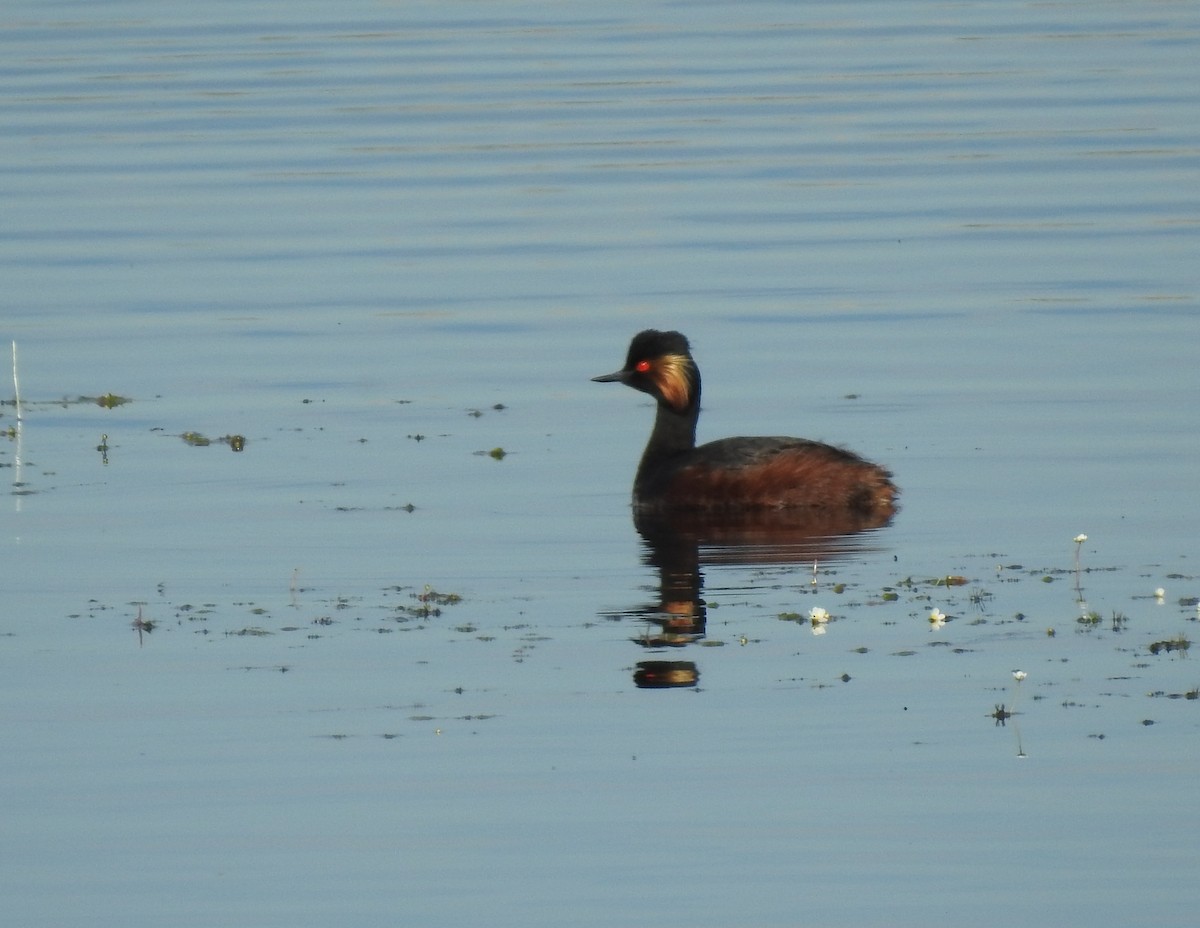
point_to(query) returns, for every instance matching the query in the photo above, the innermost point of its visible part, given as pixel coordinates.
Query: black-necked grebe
(735, 474)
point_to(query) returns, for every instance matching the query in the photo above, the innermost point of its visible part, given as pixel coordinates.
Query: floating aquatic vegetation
(1192, 694)
(477, 413)
(429, 603)
(430, 595)
(143, 626)
(1178, 643)
(199, 440)
(980, 597)
(1021, 635)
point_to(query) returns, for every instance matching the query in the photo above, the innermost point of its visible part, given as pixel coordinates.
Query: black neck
(674, 433)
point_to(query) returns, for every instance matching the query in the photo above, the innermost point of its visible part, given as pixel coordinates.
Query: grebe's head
(660, 363)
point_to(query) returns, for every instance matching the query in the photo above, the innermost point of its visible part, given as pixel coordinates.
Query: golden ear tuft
(672, 375)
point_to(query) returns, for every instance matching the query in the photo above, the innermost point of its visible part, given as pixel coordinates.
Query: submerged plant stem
(16, 382)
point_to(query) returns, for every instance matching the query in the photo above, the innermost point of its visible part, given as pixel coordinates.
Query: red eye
(642, 366)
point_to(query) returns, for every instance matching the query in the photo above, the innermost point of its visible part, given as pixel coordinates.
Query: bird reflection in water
(682, 545)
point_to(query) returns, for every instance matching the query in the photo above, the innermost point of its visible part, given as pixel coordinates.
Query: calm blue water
(379, 241)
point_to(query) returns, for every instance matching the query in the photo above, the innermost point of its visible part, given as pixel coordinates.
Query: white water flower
(1159, 594)
(1080, 539)
(818, 615)
(1019, 675)
(937, 619)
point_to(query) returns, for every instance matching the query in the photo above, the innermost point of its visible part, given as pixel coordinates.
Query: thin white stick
(16, 382)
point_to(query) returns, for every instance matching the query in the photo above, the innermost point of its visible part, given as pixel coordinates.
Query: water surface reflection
(681, 545)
